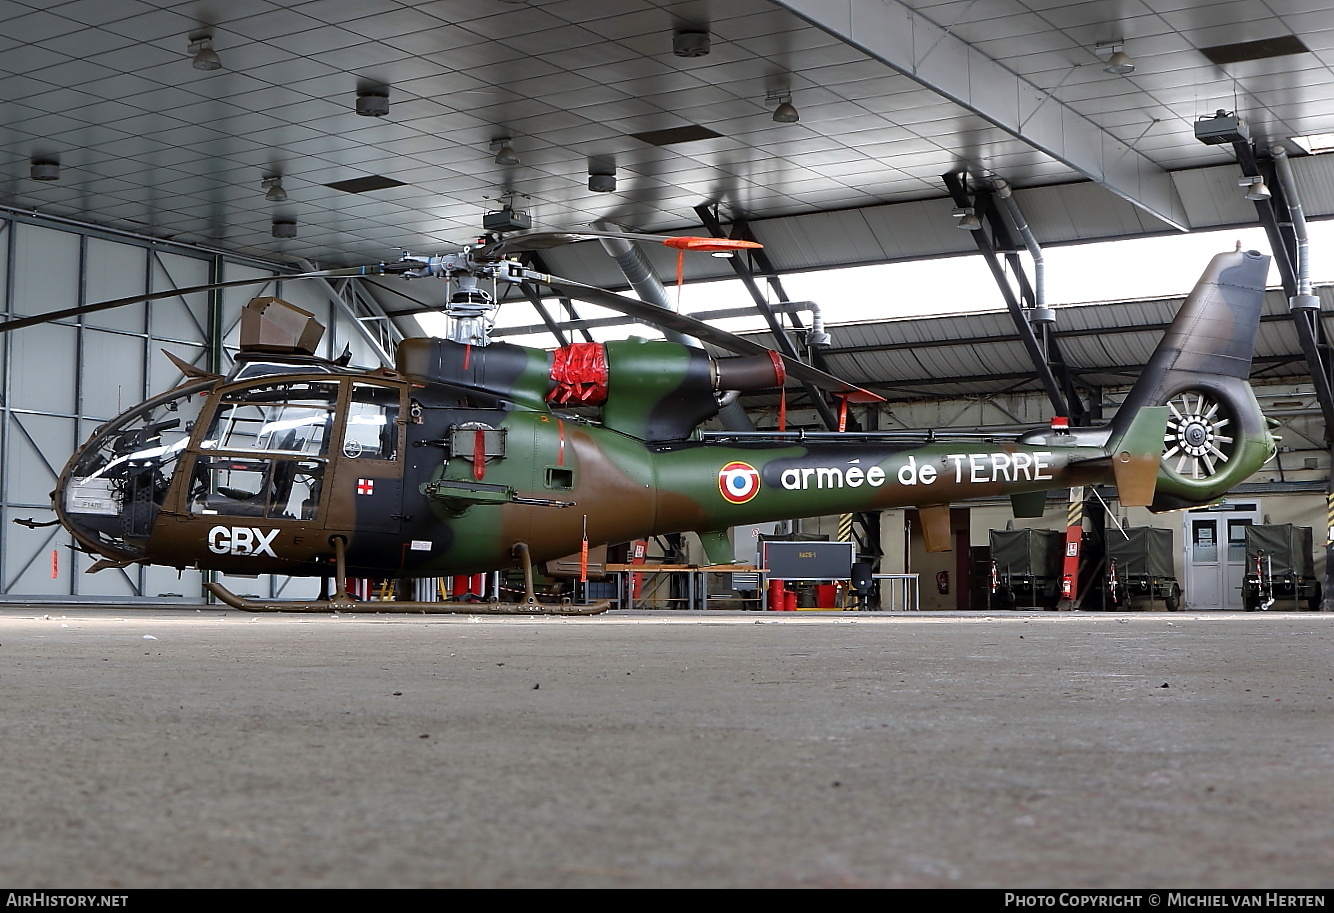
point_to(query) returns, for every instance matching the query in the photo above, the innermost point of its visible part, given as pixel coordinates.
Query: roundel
(739, 482)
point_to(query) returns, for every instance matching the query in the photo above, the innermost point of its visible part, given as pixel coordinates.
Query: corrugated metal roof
(1105, 344)
(1058, 214)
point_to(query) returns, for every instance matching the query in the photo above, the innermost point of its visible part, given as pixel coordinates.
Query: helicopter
(470, 456)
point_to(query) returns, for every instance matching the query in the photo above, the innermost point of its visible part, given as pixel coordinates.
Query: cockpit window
(248, 487)
(372, 423)
(291, 418)
(246, 370)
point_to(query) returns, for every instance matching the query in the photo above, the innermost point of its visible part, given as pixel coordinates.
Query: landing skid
(406, 608)
(341, 602)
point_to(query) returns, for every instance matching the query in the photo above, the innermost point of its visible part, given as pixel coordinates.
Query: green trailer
(1026, 568)
(1140, 569)
(1280, 569)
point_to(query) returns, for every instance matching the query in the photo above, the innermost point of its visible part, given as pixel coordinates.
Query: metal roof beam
(982, 201)
(709, 219)
(895, 34)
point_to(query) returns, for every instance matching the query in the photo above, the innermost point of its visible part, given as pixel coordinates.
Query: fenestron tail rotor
(1199, 441)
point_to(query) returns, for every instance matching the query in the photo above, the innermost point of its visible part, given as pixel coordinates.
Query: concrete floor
(147, 748)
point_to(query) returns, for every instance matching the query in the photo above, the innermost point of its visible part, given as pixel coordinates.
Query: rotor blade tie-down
(780, 375)
(583, 553)
(479, 454)
(709, 245)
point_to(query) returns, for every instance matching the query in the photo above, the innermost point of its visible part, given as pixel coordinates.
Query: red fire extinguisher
(943, 582)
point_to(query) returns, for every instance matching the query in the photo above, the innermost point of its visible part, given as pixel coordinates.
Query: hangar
(149, 147)
(158, 146)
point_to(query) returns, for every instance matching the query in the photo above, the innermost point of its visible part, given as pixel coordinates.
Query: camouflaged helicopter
(469, 457)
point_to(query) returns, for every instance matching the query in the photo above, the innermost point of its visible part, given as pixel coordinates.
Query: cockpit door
(368, 480)
(265, 453)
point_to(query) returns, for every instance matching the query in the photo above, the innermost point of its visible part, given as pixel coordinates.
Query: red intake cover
(580, 373)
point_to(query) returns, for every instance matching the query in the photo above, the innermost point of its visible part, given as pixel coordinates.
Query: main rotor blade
(689, 326)
(541, 240)
(22, 322)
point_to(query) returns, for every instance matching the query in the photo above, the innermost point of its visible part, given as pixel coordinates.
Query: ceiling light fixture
(201, 48)
(786, 112)
(505, 154)
(690, 43)
(44, 170)
(1256, 190)
(967, 217)
(1223, 127)
(273, 184)
(1115, 60)
(284, 228)
(602, 182)
(373, 102)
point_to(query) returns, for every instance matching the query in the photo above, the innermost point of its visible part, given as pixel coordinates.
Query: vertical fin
(1200, 370)
(1212, 338)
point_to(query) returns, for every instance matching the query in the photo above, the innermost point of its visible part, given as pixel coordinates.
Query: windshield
(291, 418)
(110, 493)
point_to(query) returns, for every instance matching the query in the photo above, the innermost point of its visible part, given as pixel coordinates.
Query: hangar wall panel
(46, 269)
(109, 273)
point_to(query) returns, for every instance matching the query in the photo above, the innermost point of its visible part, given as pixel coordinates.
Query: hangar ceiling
(891, 95)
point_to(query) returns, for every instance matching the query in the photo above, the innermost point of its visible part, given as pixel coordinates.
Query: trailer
(1140, 569)
(1025, 568)
(1280, 569)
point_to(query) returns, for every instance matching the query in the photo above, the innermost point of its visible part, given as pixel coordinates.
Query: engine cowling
(649, 389)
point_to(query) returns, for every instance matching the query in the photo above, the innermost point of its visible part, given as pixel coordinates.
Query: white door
(1215, 540)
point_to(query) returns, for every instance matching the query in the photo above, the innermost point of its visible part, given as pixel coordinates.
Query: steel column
(982, 204)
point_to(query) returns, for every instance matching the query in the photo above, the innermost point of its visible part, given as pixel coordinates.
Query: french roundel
(739, 482)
